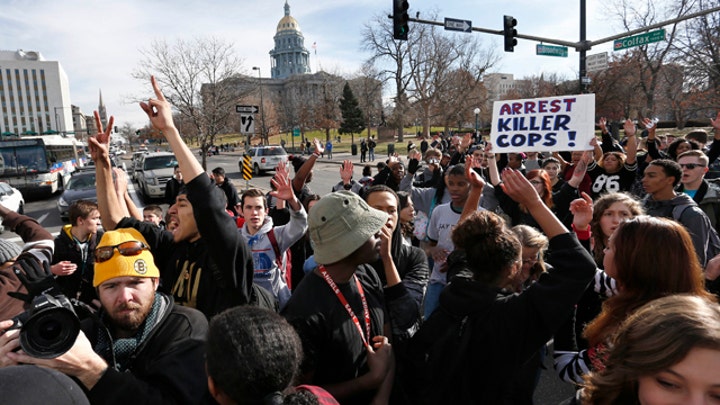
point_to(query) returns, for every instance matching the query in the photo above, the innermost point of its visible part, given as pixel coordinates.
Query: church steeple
(102, 111)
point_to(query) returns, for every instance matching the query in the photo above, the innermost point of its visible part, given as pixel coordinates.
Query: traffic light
(509, 32)
(400, 19)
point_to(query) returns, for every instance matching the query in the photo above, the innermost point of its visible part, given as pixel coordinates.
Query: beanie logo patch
(140, 266)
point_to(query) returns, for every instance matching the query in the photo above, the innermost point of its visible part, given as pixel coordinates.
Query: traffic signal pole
(582, 46)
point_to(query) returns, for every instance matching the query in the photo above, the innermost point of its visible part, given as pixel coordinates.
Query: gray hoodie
(267, 274)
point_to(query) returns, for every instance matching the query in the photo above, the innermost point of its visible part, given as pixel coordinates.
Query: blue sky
(97, 41)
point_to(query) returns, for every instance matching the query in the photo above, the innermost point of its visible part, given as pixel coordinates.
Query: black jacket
(219, 260)
(505, 329)
(172, 188)
(231, 194)
(80, 283)
(168, 367)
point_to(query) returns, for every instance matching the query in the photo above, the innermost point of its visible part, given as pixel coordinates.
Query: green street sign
(296, 132)
(638, 40)
(551, 50)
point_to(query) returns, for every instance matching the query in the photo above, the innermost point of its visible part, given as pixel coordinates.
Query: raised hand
(473, 177)
(465, 141)
(517, 187)
(346, 171)
(603, 125)
(580, 169)
(158, 109)
(582, 210)
(629, 128)
(283, 185)
(319, 148)
(716, 122)
(121, 182)
(99, 143)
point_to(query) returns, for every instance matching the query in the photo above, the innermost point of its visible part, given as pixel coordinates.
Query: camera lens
(50, 332)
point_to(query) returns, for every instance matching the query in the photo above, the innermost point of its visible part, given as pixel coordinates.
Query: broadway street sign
(638, 40)
(551, 50)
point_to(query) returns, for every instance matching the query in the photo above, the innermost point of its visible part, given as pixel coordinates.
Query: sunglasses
(129, 248)
(690, 165)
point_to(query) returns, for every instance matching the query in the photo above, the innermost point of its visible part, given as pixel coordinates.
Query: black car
(80, 187)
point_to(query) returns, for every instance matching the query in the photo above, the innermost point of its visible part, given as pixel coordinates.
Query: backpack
(283, 261)
(438, 358)
(713, 247)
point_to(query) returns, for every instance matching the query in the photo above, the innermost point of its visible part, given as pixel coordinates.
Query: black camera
(49, 328)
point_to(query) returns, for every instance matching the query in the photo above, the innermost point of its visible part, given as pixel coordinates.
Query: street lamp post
(477, 117)
(262, 106)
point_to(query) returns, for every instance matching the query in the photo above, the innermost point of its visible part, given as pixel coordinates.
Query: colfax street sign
(551, 50)
(247, 109)
(638, 40)
(453, 24)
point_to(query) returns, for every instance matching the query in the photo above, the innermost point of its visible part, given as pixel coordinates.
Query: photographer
(39, 244)
(141, 348)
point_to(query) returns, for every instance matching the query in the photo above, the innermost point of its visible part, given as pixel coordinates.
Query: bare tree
(390, 58)
(435, 60)
(194, 76)
(367, 87)
(634, 14)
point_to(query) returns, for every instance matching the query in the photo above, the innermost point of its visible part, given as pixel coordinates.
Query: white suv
(265, 157)
(154, 170)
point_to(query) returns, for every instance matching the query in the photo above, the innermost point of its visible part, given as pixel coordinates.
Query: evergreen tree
(352, 117)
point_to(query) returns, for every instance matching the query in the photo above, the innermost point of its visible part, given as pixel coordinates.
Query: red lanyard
(349, 310)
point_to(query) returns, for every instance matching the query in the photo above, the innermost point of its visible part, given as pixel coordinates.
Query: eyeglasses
(690, 165)
(129, 248)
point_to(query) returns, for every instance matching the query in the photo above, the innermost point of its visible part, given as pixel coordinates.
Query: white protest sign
(543, 124)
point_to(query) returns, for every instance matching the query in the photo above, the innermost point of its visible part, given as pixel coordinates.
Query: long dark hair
(645, 273)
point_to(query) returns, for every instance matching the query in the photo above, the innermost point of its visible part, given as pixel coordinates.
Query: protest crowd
(442, 278)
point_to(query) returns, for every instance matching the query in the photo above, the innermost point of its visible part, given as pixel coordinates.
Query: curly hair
(656, 337)
(490, 247)
(252, 353)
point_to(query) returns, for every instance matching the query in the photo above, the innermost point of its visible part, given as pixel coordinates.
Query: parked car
(12, 199)
(80, 187)
(155, 169)
(265, 157)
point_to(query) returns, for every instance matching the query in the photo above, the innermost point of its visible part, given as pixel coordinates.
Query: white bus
(39, 164)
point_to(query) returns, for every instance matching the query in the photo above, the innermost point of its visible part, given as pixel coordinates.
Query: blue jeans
(372, 154)
(432, 298)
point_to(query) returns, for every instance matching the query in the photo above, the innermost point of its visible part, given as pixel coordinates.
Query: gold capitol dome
(288, 22)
